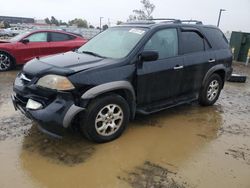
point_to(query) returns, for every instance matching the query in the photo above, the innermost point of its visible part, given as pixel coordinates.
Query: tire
(237, 78)
(6, 62)
(210, 91)
(99, 124)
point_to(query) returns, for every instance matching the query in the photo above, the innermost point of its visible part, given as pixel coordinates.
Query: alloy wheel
(5, 62)
(213, 90)
(109, 119)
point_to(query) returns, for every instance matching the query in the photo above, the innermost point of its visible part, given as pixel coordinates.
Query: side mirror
(25, 40)
(149, 56)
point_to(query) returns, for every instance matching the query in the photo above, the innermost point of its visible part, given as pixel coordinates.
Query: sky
(235, 18)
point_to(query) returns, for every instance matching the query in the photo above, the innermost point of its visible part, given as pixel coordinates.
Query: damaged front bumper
(54, 117)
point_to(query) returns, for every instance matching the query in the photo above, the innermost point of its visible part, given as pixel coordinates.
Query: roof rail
(165, 20)
(139, 22)
(191, 21)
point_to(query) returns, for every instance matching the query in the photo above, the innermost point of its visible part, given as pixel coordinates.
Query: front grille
(22, 100)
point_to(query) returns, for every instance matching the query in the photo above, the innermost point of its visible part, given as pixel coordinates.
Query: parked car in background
(6, 33)
(31, 44)
(139, 67)
(14, 30)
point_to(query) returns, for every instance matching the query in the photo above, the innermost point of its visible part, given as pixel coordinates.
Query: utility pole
(101, 23)
(218, 23)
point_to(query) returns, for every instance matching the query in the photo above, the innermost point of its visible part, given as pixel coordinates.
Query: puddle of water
(168, 141)
(12, 174)
(232, 169)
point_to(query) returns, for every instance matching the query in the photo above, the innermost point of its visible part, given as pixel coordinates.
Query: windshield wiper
(92, 53)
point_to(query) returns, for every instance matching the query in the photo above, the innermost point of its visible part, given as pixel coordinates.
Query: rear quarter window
(191, 42)
(216, 38)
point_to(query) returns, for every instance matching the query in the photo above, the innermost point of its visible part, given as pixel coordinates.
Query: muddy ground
(188, 146)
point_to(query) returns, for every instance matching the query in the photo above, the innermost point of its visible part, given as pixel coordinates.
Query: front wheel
(105, 119)
(210, 91)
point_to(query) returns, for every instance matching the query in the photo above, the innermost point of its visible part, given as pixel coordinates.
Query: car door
(160, 80)
(61, 42)
(34, 47)
(197, 57)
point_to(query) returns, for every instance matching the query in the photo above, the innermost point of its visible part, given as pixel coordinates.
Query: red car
(29, 45)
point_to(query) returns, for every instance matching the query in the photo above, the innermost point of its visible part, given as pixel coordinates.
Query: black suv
(140, 67)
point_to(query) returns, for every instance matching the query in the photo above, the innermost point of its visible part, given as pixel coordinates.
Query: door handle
(211, 60)
(178, 67)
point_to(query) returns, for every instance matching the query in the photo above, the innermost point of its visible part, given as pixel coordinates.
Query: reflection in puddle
(168, 137)
(70, 150)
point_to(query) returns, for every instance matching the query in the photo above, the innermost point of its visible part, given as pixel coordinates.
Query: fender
(112, 86)
(212, 70)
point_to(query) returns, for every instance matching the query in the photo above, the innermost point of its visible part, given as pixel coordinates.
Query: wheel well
(124, 93)
(222, 74)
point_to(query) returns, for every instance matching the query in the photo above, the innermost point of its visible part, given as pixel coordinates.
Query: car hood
(64, 63)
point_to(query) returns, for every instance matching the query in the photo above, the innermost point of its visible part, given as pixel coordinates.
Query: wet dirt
(152, 175)
(187, 146)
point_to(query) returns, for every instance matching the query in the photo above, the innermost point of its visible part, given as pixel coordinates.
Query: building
(16, 20)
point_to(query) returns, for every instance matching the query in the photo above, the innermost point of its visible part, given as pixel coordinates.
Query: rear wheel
(105, 119)
(6, 62)
(210, 91)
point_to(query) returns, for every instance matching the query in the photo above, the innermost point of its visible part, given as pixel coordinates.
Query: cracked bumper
(54, 118)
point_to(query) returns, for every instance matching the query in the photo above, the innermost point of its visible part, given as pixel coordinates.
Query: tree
(53, 20)
(119, 22)
(62, 23)
(79, 22)
(6, 24)
(145, 12)
(1, 24)
(47, 20)
(82, 23)
(104, 27)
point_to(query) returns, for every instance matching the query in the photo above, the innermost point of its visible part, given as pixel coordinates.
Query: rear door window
(191, 42)
(54, 37)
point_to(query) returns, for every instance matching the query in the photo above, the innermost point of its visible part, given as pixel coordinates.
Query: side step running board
(154, 109)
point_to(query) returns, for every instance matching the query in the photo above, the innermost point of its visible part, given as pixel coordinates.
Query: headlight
(57, 82)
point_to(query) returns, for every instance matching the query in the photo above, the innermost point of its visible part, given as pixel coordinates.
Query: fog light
(33, 105)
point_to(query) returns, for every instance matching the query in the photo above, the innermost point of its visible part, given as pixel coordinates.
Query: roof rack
(175, 20)
(165, 20)
(191, 21)
(139, 22)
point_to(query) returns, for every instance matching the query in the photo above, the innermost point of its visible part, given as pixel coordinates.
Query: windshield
(114, 42)
(19, 37)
